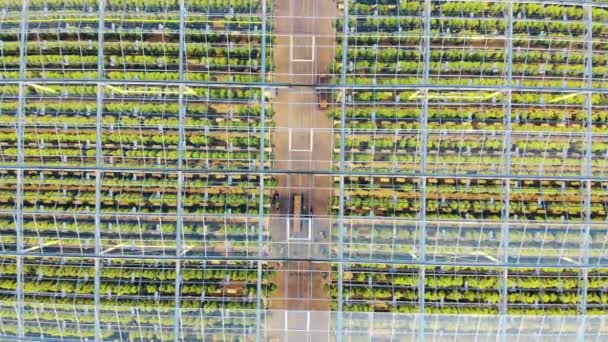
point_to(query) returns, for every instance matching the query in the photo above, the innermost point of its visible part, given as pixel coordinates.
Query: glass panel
(62, 40)
(387, 288)
(538, 291)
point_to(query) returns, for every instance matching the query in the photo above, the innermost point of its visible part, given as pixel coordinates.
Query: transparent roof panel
(319, 169)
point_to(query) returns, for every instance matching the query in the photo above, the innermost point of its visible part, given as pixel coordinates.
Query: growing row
(482, 199)
(472, 290)
(210, 284)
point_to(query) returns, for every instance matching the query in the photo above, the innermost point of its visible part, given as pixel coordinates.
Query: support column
(340, 299)
(19, 298)
(587, 168)
(506, 183)
(180, 175)
(423, 169)
(261, 226)
(98, 165)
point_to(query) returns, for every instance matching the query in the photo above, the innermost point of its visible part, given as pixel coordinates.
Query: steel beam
(581, 178)
(587, 169)
(423, 168)
(19, 298)
(98, 165)
(506, 183)
(340, 299)
(388, 261)
(324, 86)
(261, 226)
(181, 146)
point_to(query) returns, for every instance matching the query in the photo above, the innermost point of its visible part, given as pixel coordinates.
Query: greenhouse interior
(304, 170)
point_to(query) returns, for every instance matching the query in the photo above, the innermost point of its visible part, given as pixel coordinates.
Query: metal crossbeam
(581, 178)
(349, 260)
(41, 82)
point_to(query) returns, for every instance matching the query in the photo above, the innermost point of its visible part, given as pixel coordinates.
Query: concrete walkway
(303, 141)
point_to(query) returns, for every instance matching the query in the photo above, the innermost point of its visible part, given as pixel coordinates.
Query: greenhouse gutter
(426, 175)
(419, 86)
(314, 260)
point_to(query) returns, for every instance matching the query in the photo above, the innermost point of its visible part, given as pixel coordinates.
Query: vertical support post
(181, 146)
(19, 298)
(98, 165)
(587, 168)
(261, 226)
(588, 109)
(19, 214)
(506, 182)
(423, 169)
(340, 299)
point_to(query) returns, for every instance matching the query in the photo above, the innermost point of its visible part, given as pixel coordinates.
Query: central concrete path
(303, 142)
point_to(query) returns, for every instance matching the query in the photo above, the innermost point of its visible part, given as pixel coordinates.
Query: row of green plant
(489, 81)
(450, 235)
(466, 69)
(475, 9)
(129, 28)
(212, 6)
(480, 200)
(390, 54)
(456, 161)
(119, 246)
(59, 194)
(132, 62)
(145, 48)
(138, 272)
(465, 37)
(384, 120)
(136, 92)
(127, 279)
(405, 252)
(373, 41)
(528, 98)
(229, 49)
(127, 199)
(193, 183)
(152, 113)
(384, 126)
(128, 74)
(472, 209)
(470, 143)
(454, 32)
(549, 116)
(447, 25)
(374, 288)
(470, 165)
(144, 320)
(150, 158)
(130, 138)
